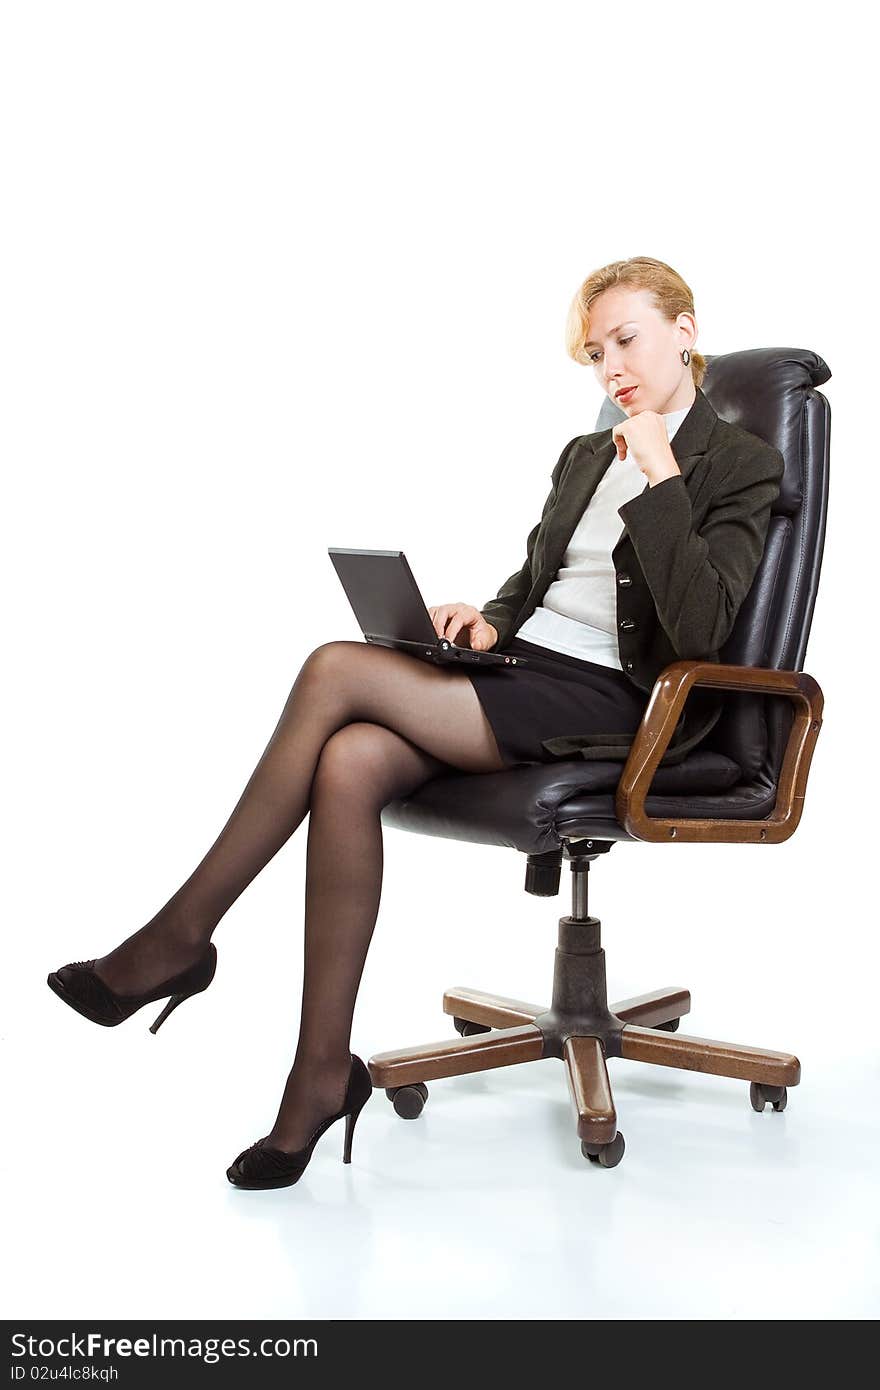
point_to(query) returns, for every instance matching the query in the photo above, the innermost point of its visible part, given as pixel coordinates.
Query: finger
(476, 630)
(452, 621)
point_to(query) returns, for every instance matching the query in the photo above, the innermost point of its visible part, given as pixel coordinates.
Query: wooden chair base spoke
(497, 1031)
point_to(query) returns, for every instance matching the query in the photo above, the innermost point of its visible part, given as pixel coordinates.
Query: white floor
(116, 1202)
(481, 1208)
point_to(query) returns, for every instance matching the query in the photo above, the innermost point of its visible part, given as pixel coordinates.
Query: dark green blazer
(689, 551)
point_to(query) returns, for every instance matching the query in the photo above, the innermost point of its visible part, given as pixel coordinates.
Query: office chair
(743, 784)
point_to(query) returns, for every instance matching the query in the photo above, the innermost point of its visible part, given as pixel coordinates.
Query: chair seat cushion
(534, 807)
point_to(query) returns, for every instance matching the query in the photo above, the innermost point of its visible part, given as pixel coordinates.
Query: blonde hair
(671, 295)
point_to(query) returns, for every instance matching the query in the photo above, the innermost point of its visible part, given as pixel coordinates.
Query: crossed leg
(362, 767)
(361, 726)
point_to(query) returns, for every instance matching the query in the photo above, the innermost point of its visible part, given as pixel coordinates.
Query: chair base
(583, 1032)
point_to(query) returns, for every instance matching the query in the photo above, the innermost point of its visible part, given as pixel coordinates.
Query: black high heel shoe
(80, 987)
(262, 1165)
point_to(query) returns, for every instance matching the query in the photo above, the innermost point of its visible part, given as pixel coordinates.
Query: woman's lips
(627, 394)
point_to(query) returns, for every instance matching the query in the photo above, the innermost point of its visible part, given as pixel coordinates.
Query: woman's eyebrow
(611, 334)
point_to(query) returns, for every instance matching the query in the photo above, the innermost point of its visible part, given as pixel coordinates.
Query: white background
(282, 276)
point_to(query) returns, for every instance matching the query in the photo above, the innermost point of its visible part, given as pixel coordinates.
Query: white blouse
(579, 613)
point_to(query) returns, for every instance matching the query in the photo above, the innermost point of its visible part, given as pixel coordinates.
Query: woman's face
(633, 345)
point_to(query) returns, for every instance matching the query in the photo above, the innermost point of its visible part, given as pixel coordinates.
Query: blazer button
(623, 580)
(627, 624)
(628, 665)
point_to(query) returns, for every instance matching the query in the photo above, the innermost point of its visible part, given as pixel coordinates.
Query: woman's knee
(331, 655)
(370, 762)
(355, 754)
(328, 664)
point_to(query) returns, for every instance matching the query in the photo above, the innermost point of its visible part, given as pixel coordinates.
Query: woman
(364, 725)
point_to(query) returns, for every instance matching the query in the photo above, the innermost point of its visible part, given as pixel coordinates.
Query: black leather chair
(744, 784)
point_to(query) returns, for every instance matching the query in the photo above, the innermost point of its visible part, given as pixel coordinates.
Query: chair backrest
(771, 392)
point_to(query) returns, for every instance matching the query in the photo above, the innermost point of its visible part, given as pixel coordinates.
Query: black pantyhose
(362, 725)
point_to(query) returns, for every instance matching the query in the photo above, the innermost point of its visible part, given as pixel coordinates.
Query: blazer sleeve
(699, 579)
(503, 610)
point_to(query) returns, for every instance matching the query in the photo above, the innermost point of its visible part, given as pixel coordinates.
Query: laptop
(392, 613)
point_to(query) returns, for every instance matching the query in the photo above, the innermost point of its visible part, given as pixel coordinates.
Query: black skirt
(554, 695)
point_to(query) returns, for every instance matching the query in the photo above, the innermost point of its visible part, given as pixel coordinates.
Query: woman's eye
(622, 342)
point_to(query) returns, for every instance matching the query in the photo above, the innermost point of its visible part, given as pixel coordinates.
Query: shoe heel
(172, 1004)
(350, 1122)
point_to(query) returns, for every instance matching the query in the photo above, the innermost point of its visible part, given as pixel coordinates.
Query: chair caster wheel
(468, 1029)
(606, 1155)
(759, 1095)
(408, 1101)
(670, 1027)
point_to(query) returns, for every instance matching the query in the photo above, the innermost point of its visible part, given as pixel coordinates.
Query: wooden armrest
(658, 724)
